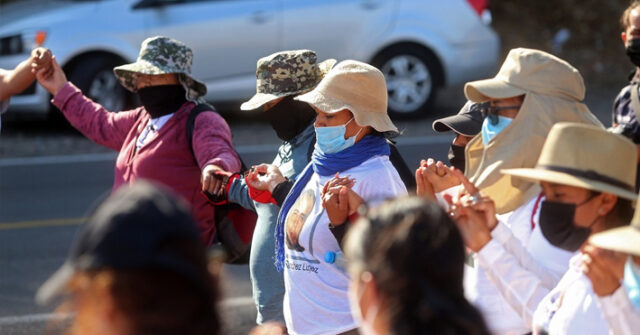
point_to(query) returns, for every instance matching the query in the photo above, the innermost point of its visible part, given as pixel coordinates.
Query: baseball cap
(467, 122)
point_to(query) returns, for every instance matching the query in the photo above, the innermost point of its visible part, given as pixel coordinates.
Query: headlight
(22, 43)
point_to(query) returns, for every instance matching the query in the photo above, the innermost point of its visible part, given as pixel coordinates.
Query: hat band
(591, 175)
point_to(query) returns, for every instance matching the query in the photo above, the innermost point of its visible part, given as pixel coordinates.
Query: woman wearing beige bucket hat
(351, 126)
(532, 91)
(152, 140)
(588, 188)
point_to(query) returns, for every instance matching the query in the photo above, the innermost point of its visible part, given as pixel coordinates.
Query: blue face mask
(490, 130)
(631, 282)
(331, 139)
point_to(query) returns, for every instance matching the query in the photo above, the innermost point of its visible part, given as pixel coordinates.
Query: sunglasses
(492, 112)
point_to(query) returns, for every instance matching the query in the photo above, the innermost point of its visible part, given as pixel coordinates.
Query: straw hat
(286, 73)
(529, 70)
(358, 87)
(162, 55)
(623, 239)
(585, 156)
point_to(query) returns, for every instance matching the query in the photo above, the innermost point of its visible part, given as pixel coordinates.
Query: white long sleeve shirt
(570, 308)
(620, 315)
(514, 271)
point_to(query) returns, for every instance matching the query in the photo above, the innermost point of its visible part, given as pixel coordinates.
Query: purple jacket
(166, 158)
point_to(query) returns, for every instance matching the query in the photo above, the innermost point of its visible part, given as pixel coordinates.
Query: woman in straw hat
(351, 126)
(587, 176)
(532, 91)
(152, 140)
(612, 263)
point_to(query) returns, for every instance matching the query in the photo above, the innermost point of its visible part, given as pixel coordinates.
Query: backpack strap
(191, 120)
(635, 101)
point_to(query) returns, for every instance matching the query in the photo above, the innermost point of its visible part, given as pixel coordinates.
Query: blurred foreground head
(137, 267)
(406, 262)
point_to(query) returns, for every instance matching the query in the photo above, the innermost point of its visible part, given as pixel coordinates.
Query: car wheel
(413, 75)
(94, 76)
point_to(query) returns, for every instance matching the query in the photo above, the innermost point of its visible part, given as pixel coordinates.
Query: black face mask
(162, 100)
(289, 117)
(556, 224)
(456, 157)
(633, 51)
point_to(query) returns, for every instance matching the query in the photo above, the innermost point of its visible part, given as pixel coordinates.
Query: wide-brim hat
(622, 239)
(286, 73)
(467, 122)
(529, 70)
(162, 55)
(358, 87)
(585, 156)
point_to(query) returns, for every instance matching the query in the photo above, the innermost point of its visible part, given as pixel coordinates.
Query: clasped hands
(473, 213)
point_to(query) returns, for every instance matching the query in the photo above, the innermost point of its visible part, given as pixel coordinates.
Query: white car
(420, 45)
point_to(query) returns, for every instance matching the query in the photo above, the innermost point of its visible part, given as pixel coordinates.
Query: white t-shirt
(316, 300)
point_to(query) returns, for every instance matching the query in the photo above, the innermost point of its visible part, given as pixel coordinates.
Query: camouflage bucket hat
(286, 73)
(162, 55)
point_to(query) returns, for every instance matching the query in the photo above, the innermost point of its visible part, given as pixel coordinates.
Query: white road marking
(46, 317)
(242, 150)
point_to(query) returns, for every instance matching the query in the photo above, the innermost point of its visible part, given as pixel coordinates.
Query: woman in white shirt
(351, 127)
(587, 176)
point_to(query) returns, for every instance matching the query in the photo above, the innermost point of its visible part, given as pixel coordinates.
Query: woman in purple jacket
(152, 139)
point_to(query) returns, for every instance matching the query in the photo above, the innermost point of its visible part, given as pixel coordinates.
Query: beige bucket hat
(286, 73)
(528, 70)
(585, 156)
(358, 87)
(162, 55)
(623, 239)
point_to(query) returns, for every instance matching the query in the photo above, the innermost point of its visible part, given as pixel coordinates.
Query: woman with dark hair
(406, 263)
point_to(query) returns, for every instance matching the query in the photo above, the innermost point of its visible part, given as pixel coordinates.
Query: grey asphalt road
(41, 201)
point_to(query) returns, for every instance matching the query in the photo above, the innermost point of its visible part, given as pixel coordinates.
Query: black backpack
(234, 223)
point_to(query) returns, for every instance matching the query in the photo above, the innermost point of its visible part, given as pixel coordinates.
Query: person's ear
(623, 36)
(369, 295)
(607, 202)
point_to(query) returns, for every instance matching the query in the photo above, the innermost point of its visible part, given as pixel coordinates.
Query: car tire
(413, 75)
(94, 76)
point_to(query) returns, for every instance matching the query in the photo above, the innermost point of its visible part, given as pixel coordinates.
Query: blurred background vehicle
(420, 45)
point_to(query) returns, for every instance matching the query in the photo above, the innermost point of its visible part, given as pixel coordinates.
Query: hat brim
(562, 178)
(146, 68)
(55, 285)
(259, 99)
(493, 88)
(623, 239)
(460, 124)
(380, 122)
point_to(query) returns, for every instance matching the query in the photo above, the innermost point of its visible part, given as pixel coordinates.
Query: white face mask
(365, 324)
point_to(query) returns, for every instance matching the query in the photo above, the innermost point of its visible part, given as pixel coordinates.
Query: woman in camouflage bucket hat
(152, 139)
(158, 56)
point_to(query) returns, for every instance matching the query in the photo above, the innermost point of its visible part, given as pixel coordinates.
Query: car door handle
(370, 4)
(260, 17)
